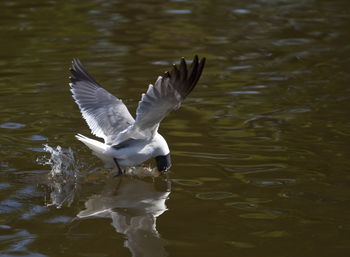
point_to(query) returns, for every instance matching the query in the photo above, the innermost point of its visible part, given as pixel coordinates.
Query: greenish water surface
(260, 148)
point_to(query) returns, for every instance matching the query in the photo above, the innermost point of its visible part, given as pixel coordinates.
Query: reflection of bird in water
(129, 142)
(133, 205)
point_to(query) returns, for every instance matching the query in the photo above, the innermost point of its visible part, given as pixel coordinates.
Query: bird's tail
(98, 148)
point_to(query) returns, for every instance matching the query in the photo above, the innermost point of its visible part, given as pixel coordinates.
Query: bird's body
(129, 153)
(130, 142)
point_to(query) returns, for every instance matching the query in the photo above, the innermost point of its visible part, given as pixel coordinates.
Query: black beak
(163, 162)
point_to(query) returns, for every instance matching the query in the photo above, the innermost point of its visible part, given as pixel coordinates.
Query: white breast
(139, 151)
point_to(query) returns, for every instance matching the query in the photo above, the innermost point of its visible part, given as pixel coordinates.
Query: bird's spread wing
(161, 98)
(105, 114)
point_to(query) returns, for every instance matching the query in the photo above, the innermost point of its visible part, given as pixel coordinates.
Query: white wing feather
(105, 114)
(166, 95)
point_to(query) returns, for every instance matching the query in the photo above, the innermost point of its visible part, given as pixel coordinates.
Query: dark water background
(260, 148)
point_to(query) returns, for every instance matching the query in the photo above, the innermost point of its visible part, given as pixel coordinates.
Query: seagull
(128, 141)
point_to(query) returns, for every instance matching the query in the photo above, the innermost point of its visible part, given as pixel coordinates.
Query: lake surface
(260, 148)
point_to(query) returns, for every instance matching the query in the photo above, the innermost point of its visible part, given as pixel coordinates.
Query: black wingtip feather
(195, 60)
(200, 69)
(79, 73)
(183, 69)
(185, 79)
(167, 74)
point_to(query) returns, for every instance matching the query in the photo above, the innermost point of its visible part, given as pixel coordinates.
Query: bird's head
(163, 162)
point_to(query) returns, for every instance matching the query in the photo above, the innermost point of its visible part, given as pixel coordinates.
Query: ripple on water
(37, 149)
(248, 169)
(28, 191)
(60, 219)
(184, 134)
(271, 234)
(241, 11)
(259, 215)
(216, 156)
(17, 242)
(247, 92)
(37, 138)
(256, 200)
(209, 179)
(12, 125)
(248, 56)
(161, 63)
(4, 186)
(179, 11)
(242, 205)
(8, 206)
(215, 195)
(239, 244)
(34, 210)
(272, 182)
(291, 41)
(187, 182)
(239, 67)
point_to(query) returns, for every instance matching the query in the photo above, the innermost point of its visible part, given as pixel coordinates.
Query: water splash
(63, 176)
(67, 174)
